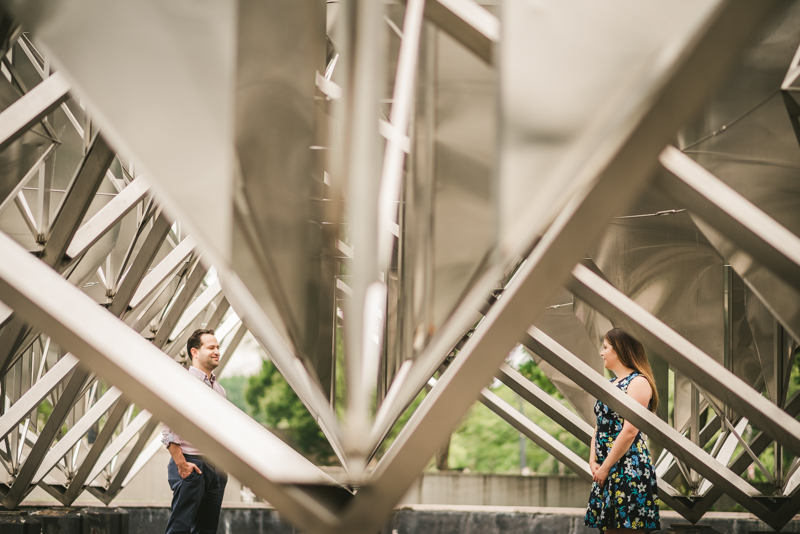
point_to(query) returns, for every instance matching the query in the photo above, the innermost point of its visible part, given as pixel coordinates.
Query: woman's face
(609, 356)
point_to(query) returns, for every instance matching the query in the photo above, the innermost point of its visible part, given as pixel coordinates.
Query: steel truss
(95, 320)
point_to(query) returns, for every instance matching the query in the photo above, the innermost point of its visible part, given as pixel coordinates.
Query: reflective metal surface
(382, 192)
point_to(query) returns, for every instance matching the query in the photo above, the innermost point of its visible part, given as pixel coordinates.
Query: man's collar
(201, 375)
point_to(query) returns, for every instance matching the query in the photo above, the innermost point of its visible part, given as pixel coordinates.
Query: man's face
(207, 357)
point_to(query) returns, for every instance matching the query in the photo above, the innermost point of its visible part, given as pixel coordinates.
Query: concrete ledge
(449, 519)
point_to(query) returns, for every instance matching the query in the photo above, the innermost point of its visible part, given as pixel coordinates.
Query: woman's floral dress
(627, 499)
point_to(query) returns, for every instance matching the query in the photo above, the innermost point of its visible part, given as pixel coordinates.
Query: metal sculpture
(387, 192)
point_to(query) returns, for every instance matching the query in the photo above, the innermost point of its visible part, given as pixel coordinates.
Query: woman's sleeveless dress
(627, 499)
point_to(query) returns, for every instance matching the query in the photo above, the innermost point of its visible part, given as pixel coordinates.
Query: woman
(624, 492)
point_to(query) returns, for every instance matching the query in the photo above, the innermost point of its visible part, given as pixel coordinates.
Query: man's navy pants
(196, 499)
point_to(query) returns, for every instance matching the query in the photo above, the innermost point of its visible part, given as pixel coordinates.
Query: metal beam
(78, 430)
(742, 461)
(467, 22)
(97, 450)
(194, 309)
(549, 406)
(193, 281)
(537, 434)
(12, 337)
(34, 396)
(231, 348)
(740, 220)
(231, 438)
(394, 154)
(70, 394)
(165, 269)
(630, 410)
(33, 171)
(133, 456)
(682, 355)
(77, 200)
(107, 217)
(124, 437)
(153, 446)
(32, 107)
(134, 277)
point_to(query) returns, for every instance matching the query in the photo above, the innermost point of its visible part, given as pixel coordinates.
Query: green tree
(484, 442)
(532, 372)
(272, 402)
(234, 389)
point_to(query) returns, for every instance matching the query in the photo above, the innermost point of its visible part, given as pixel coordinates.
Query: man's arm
(184, 468)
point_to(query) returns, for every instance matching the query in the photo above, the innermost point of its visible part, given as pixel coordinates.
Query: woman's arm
(593, 465)
(639, 389)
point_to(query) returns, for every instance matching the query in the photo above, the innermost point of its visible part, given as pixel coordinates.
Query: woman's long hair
(632, 355)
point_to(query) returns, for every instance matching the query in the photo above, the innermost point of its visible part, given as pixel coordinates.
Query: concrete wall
(499, 490)
(150, 487)
(258, 519)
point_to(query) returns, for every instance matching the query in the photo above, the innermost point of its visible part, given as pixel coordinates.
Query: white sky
(246, 361)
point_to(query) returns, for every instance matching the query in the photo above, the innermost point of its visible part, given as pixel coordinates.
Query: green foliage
(271, 401)
(794, 382)
(485, 443)
(532, 372)
(45, 409)
(234, 389)
(400, 424)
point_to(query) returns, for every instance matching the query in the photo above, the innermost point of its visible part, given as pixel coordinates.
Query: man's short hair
(196, 340)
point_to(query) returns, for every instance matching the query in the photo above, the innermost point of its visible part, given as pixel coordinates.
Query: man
(197, 486)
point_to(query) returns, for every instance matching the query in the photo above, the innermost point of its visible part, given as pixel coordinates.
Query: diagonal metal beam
(142, 316)
(165, 269)
(219, 313)
(32, 107)
(78, 430)
(787, 511)
(282, 355)
(153, 445)
(193, 310)
(742, 461)
(26, 213)
(33, 171)
(682, 355)
(679, 445)
(135, 275)
(69, 396)
(108, 454)
(193, 281)
(12, 337)
(91, 460)
(107, 217)
(77, 200)
(122, 474)
(467, 22)
(740, 220)
(235, 442)
(231, 348)
(549, 406)
(34, 396)
(535, 433)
